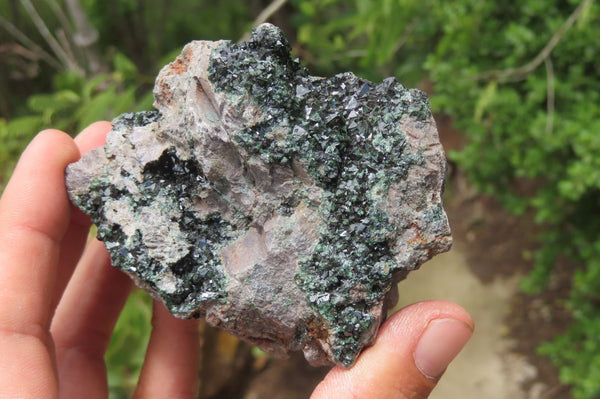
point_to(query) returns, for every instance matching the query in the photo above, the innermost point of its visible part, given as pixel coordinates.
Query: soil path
(486, 368)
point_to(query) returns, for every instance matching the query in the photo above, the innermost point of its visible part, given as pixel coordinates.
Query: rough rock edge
(423, 239)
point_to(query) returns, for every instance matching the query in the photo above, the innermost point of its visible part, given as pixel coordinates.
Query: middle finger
(84, 321)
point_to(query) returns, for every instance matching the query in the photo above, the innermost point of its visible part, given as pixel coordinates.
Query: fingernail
(441, 341)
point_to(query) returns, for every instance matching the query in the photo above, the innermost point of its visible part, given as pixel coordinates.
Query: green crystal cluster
(199, 273)
(347, 132)
(281, 206)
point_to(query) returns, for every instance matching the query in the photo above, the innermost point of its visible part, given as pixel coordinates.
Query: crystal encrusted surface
(281, 206)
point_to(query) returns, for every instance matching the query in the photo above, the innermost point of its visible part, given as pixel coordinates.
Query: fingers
(92, 136)
(411, 352)
(38, 249)
(84, 322)
(34, 217)
(171, 366)
(91, 304)
(77, 233)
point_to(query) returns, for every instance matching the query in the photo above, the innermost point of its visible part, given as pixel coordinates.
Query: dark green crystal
(347, 131)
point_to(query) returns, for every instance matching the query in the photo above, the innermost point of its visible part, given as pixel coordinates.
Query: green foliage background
(521, 79)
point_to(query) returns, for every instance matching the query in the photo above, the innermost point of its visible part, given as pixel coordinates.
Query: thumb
(411, 352)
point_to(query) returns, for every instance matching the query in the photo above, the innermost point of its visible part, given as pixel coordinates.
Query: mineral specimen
(280, 206)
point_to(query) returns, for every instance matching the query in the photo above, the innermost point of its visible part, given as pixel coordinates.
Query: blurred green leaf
(99, 107)
(486, 98)
(127, 348)
(124, 66)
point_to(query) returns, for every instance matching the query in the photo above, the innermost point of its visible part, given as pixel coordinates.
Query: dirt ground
(486, 368)
(482, 273)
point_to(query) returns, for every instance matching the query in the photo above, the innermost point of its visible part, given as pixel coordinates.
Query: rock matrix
(280, 206)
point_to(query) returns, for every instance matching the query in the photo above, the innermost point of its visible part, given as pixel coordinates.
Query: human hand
(56, 319)
(59, 304)
(411, 352)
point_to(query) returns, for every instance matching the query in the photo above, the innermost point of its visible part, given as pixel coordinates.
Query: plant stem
(52, 42)
(30, 44)
(520, 73)
(265, 15)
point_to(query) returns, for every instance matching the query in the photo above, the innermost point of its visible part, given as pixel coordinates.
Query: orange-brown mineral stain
(180, 65)
(417, 239)
(166, 95)
(317, 329)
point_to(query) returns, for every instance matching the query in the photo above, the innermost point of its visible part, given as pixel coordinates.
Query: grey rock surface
(280, 206)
